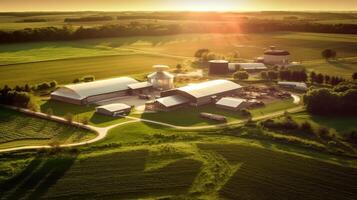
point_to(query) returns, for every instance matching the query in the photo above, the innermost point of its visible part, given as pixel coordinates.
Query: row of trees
(12, 97)
(341, 99)
(89, 19)
(325, 79)
(138, 29)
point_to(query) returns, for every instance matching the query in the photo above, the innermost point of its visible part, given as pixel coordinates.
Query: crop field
(121, 175)
(277, 174)
(108, 57)
(17, 129)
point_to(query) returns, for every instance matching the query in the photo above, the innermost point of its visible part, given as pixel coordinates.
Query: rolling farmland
(104, 58)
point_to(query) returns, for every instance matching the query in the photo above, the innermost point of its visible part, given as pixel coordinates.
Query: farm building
(249, 67)
(114, 110)
(218, 67)
(140, 88)
(167, 103)
(276, 56)
(161, 79)
(206, 92)
(86, 93)
(230, 103)
(294, 85)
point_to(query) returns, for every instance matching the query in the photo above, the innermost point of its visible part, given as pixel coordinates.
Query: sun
(211, 5)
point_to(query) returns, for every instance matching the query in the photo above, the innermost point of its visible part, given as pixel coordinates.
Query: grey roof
(114, 107)
(230, 102)
(84, 90)
(301, 85)
(140, 85)
(174, 100)
(209, 88)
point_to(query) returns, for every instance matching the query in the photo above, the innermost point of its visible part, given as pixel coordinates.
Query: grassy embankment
(18, 129)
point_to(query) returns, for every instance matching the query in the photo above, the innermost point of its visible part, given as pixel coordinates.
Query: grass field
(283, 176)
(110, 57)
(20, 130)
(339, 124)
(273, 107)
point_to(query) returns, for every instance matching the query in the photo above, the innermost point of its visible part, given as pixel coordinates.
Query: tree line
(153, 29)
(341, 99)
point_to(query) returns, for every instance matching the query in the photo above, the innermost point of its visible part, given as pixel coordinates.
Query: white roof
(230, 102)
(140, 85)
(174, 100)
(209, 88)
(84, 90)
(114, 107)
(251, 66)
(296, 84)
(218, 61)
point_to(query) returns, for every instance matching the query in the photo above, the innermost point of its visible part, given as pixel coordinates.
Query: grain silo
(218, 67)
(161, 79)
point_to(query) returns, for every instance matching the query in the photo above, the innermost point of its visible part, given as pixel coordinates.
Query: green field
(21, 130)
(339, 124)
(280, 176)
(104, 58)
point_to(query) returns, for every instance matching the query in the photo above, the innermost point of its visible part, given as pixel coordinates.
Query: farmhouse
(206, 92)
(294, 85)
(230, 103)
(276, 56)
(114, 109)
(86, 93)
(218, 67)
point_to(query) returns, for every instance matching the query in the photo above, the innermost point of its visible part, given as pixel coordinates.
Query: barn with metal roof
(90, 92)
(205, 92)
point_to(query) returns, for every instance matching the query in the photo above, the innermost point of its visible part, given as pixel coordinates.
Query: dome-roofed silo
(161, 79)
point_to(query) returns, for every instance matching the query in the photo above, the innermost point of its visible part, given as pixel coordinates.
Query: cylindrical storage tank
(218, 67)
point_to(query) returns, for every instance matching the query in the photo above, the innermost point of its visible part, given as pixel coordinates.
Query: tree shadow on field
(37, 178)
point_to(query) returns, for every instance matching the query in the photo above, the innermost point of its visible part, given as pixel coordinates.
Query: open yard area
(18, 129)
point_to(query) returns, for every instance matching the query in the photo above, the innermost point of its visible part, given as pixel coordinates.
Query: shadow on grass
(34, 181)
(61, 108)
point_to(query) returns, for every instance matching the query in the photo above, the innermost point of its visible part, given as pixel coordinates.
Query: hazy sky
(193, 5)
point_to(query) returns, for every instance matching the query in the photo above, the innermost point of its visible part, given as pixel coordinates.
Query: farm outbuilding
(249, 67)
(218, 67)
(206, 92)
(140, 88)
(114, 110)
(161, 79)
(230, 103)
(167, 103)
(293, 85)
(90, 92)
(276, 56)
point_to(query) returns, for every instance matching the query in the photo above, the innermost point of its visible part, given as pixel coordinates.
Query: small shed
(140, 88)
(230, 103)
(114, 110)
(293, 85)
(168, 103)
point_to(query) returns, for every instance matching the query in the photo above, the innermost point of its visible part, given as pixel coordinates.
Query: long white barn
(86, 93)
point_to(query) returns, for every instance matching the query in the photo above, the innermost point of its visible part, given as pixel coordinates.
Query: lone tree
(328, 54)
(179, 67)
(354, 76)
(241, 75)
